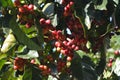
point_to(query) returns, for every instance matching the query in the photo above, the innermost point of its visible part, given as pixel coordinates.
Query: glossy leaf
(27, 73)
(6, 3)
(21, 37)
(30, 54)
(9, 42)
(116, 67)
(36, 73)
(48, 9)
(9, 74)
(75, 66)
(102, 6)
(114, 42)
(2, 62)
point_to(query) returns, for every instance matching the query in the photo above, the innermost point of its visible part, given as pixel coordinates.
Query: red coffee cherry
(69, 58)
(48, 22)
(17, 3)
(42, 21)
(116, 52)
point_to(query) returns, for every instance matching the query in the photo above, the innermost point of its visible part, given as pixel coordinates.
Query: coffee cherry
(15, 67)
(28, 25)
(71, 3)
(32, 61)
(58, 49)
(116, 52)
(48, 22)
(21, 10)
(45, 67)
(109, 64)
(19, 63)
(17, 3)
(69, 58)
(76, 48)
(57, 44)
(42, 21)
(111, 60)
(31, 7)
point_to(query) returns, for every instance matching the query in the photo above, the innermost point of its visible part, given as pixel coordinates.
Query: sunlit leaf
(102, 6)
(9, 42)
(2, 62)
(30, 54)
(6, 3)
(116, 67)
(48, 9)
(115, 42)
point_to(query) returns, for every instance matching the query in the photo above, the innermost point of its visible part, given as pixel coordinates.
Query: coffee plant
(59, 40)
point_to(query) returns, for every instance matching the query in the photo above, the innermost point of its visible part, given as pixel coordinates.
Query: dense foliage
(59, 39)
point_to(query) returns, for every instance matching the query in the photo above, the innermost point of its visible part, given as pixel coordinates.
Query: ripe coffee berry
(17, 3)
(28, 25)
(42, 21)
(31, 7)
(57, 44)
(19, 63)
(71, 3)
(21, 10)
(109, 64)
(69, 58)
(48, 22)
(116, 52)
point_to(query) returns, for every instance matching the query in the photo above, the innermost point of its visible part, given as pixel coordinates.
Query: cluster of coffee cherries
(19, 63)
(65, 44)
(66, 2)
(68, 9)
(45, 70)
(45, 25)
(110, 61)
(25, 13)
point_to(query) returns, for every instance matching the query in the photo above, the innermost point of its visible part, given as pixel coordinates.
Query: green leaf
(102, 63)
(89, 71)
(40, 35)
(55, 20)
(2, 62)
(80, 13)
(2, 55)
(116, 1)
(9, 75)
(102, 6)
(115, 42)
(6, 3)
(87, 18)
(28, 73)
(28, 30)
(36, 74)
(9, 42)
(21, 36)
(75, 66)
(30, 54)
(48, 9)
(117, 17)
(87, 66)
(116, 67)
(64, 76)
(81, 53)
